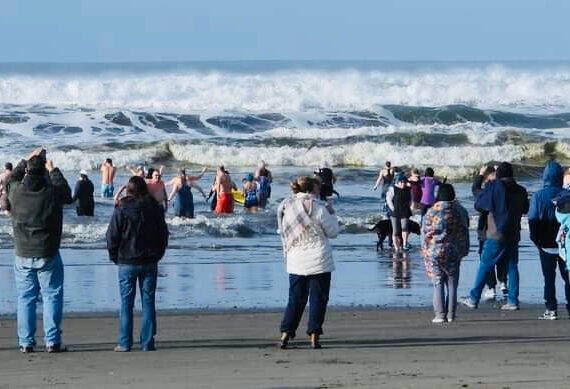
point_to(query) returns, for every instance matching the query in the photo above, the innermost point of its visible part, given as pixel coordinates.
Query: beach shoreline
(396, 347)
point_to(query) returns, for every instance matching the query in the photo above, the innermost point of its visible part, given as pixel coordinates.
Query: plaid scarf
(295, 219)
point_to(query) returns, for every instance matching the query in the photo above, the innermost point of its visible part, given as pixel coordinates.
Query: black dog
(384, 229)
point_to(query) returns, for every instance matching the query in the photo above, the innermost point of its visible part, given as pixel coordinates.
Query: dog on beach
(384, 229)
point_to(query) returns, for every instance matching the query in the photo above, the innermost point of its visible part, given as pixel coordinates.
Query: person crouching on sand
(306, 225)
(137, 237)
(445, 240)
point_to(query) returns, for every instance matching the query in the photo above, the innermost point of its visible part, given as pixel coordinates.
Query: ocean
(294, 115)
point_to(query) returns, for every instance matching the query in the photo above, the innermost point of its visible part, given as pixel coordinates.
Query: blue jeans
(128, 276)
(548, 263)
(493, 252)
(107, 190)
(34, 276)
(315, 288)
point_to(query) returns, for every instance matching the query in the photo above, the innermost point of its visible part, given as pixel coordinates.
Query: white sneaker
(510, 307)
(438, 320)
(503, 287)
(450, 319)
(489, 294)
(549, 315)
(467, 302)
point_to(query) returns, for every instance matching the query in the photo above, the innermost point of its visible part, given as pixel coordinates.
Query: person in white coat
(306, 224)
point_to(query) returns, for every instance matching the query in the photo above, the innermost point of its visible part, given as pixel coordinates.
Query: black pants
(87, 210)
(548, 263)
(316, 288)
(500, 274)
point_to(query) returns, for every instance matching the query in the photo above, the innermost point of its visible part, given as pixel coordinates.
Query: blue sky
(186, 30)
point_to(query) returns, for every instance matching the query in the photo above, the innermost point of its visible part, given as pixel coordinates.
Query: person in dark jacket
(137, 237)
(543, 230)
(505, 202)
(83, 194)
(399, 200)
(486, 174)
(37, 192)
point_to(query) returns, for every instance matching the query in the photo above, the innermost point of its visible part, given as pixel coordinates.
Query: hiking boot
(510, 307)
(468, 302)
(549, 315)
(56, 348)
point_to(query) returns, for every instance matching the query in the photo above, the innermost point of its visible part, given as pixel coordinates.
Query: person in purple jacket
(429, 184)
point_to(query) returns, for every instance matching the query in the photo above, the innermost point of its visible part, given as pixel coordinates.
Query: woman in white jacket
(305, 225)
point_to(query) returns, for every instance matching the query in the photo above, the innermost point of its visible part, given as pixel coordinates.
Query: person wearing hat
(250, 191)
(399, 200)
(83, 194)
(445, 240)
(37, 191)
(505, 202)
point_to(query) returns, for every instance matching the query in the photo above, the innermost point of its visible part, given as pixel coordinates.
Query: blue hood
(553, 174)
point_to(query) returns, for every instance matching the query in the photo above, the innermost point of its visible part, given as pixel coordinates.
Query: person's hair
(137, 187)
(388, 164)
(446, 192)
(488, 170)
(416, 171)
(182, 172)
(109, 161)
(36, 166)
(8, 166)
(149, 172)
(567, 171)
(429, 172)
(505, 170)
(304, 184)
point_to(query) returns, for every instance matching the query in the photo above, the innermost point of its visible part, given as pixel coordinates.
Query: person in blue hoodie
(505, 202)
(543, 230)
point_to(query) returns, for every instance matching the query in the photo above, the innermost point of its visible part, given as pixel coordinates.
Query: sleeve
(533, 218)
(427, 230)
(465, 232)
(483, 201)
(63, 190)
(114, 235)
(163, 231)
(328, 222)
(477, 185)
(280, 211)
(525, 201)
(76, 191)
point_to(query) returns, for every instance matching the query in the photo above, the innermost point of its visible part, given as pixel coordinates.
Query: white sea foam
(293, 91)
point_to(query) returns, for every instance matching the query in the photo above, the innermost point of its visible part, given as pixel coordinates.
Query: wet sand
(399, 348)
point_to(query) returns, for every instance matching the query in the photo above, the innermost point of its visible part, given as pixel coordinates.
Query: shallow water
(237, 262)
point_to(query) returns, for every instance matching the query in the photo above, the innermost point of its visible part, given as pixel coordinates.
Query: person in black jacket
(137, 237)
(37, 192)
(83, 194)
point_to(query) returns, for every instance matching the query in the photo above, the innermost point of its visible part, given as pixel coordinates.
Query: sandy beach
(397, 348)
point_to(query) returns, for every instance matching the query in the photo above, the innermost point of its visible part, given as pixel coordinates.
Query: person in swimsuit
(384, 181)
(182, 189)
(250, 191)
(157, 189)
(264, 179)
(4, 178)
(223, 187)
(107, 176)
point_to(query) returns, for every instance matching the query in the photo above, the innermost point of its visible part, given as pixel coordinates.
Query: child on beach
(445, 240)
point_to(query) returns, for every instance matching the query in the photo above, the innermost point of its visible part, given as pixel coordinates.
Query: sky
(225, 30)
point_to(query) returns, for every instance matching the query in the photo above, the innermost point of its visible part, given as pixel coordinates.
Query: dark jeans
(501, 273)
(316, 288)
(548, 263)
(128, 276)
(493, 252)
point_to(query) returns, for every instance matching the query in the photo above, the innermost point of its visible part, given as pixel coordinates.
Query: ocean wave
(295, 90)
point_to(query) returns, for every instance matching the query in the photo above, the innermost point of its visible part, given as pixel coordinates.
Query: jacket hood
(553, 174)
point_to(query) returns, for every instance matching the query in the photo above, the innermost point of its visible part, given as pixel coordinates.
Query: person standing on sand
(305, 226)
(223, 187)
(137, 238)
(486, 174)
(505, 202)
(4, 178)
(445, 241)
(37, 192)
(543, 231)
(107, 177)
(83, 194)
